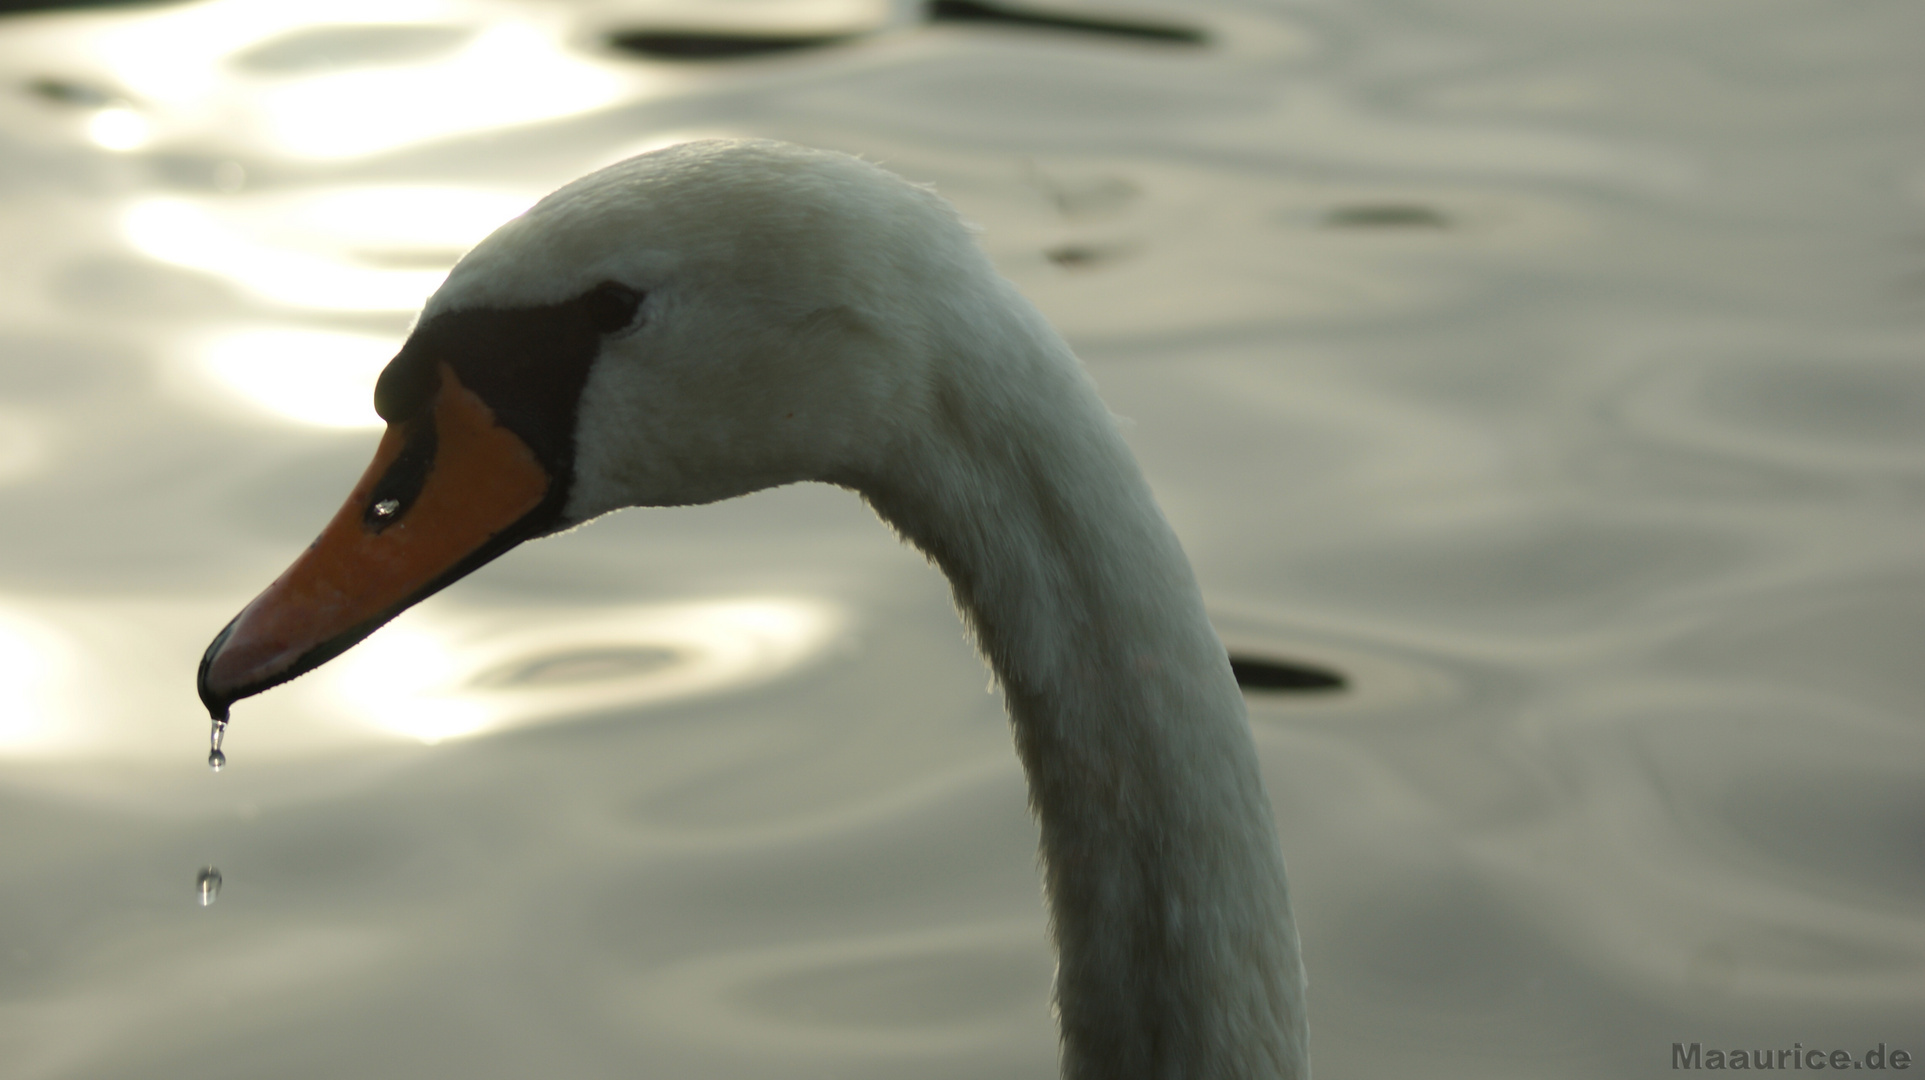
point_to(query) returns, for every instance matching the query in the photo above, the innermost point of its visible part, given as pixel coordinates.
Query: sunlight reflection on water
(307, 376)
(430, 680)
(444, 671)
(370, 77)
(35, 666)
(348, 249)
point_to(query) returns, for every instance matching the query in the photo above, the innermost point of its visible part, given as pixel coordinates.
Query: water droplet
(386, 507)
(216, 759)
(209, 884)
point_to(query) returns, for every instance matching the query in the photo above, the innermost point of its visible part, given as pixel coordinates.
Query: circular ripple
(438, 676)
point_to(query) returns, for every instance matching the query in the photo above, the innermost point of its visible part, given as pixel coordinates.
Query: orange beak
(449, 489)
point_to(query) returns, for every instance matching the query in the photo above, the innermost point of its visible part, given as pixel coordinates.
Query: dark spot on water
(15, 7)
(1385, 216)
(71, 92)
(692, 44)
(1084, 256)
(976, 11)
(1285, 676)
(717, 45)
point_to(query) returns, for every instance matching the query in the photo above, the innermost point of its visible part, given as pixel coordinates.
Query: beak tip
(216, 700)
(245, 658)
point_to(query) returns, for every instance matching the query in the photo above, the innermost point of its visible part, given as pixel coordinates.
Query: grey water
(1538, 388)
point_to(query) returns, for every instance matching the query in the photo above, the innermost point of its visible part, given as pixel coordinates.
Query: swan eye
(395, 492)
(611, 306)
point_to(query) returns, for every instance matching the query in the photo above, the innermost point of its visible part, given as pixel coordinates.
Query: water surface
(1550, 370)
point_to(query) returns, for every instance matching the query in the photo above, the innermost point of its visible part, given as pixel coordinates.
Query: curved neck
(1178, 957)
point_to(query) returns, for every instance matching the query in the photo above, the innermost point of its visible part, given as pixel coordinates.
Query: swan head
(682, 327)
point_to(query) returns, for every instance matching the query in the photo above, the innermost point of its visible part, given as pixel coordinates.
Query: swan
(724, 316)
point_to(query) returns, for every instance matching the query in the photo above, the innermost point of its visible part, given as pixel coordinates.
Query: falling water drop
(209, 883)
(216, 759)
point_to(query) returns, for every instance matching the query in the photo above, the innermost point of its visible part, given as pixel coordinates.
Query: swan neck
(1178, 956)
